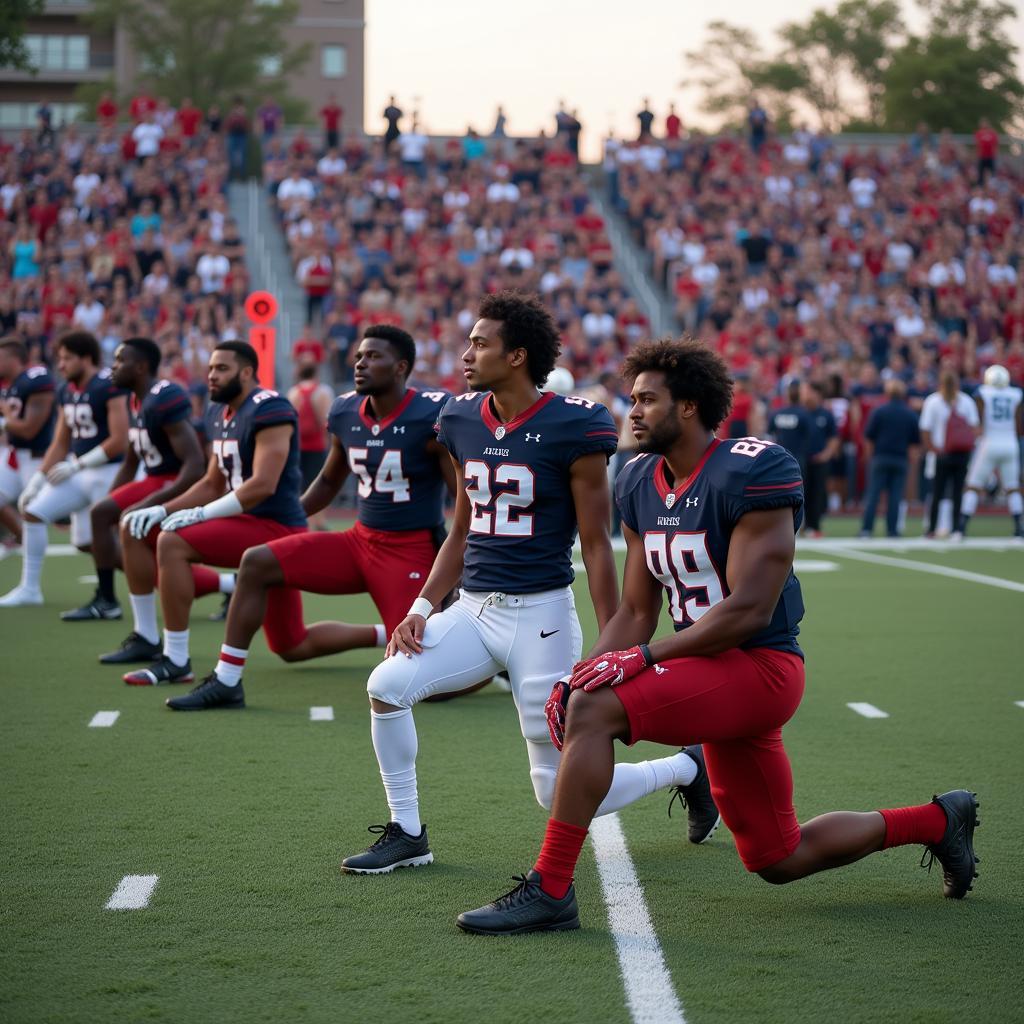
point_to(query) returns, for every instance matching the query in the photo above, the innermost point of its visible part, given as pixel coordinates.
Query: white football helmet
(561, 381)
(997, 377)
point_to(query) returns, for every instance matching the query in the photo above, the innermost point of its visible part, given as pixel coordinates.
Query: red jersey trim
(492, 422)
(364, 411)
(661, 482)
(776, 487)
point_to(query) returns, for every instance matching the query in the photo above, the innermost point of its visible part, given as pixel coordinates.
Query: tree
(207, 51)
(842, 53)
(13, 16)
(961, 70)
(731, 68)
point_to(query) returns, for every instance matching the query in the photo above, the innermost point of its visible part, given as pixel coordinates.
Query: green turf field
(245, 816)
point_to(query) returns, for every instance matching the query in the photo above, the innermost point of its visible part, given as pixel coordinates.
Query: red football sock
(908, 825)
(207, 581)
(558, 856)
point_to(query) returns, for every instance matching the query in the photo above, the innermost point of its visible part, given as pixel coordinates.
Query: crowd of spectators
(848, 267)
(124, 233)
(412, 231)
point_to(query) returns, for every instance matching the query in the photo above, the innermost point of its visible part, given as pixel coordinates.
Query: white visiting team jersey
(999, 421)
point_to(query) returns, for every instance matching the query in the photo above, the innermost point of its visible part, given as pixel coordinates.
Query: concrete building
(67, 50)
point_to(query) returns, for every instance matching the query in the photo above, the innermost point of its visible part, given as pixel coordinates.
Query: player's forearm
(57, 452)
(114, 446)
(200, 493)
(126, 473)
(730, 623)
(626, 628)
(178, 486)
(447, 569)
(318, 496)
(601, 579)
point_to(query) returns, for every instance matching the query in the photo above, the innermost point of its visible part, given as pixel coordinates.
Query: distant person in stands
(500, 121)
(757, 125)
(331, 115)
(792, 427)
(214, 119)
(392, 114)
(949, 427)
(312, 400)
(106, 109)
(891, 438)
(822, 448)
(189, 118)
(412, 147)
(237, 127)
(673, 124)
(270, 118)
(646, 119)
(316, 274)
(986, 145)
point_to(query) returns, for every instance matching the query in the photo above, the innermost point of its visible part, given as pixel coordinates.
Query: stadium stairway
(270, 268)
(632, 262)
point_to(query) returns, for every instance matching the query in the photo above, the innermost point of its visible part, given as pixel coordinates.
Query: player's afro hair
(401, 342)
(82, 344)
(525, 323)
(692, 372)
(147, 349)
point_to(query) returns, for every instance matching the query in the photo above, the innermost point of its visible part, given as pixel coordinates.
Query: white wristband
(93, 457)
(226, 505)
(421, 606)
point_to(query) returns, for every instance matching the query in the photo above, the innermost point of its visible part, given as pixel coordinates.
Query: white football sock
(227, 583)
(231, 664)
(144, 614)
(176, 646)
(632, 782)
(382, 637)
(33, 551)
(1015, 503)
(395, 744)
(970, 503)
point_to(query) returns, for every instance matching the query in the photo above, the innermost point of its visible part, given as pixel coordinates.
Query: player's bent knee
(591, 712)
(543, 779)
(258, 564)
(169, 546)
(777, 874)
(391, 682)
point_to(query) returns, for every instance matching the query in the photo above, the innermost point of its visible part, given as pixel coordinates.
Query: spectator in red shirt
(986, 145)
(106, 109)
(189, 118)
(331, 115)
(673, 123)
(141, 105)
(309, 346)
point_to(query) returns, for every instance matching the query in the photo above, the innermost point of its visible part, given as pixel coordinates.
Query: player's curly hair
(147, 349)
(525, 323)
(692, 371)
(82, 344)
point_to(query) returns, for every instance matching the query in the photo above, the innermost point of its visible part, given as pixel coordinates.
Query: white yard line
(867, 710)
(1019, 703)
(103, 719)
(649, 993)
(321, 714)
(133, 892)
(936, 570)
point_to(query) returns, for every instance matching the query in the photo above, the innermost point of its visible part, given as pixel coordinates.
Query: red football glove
(554, 711)
(610, 668)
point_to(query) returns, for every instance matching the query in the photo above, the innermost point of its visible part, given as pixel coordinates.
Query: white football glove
(64, 470)
(142, 520)
(185, 517)
(35, 484)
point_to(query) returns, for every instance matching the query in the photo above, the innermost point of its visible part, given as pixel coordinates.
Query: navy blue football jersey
(85, 412)
(686, 529)
(517, 478)
(34, 380)
(164, 404)
(400, 482)
(233, 443)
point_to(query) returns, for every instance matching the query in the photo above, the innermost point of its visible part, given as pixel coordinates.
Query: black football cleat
(527, 908)
(701, 810)
(133, 648)
(98, 609)
(956, 850)
(162, 671)
(210, 693)
(395, 848)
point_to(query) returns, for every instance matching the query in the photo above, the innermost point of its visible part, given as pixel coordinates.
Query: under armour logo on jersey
(355, 427)
(398, 430)
(532, 437)
(692, 502)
